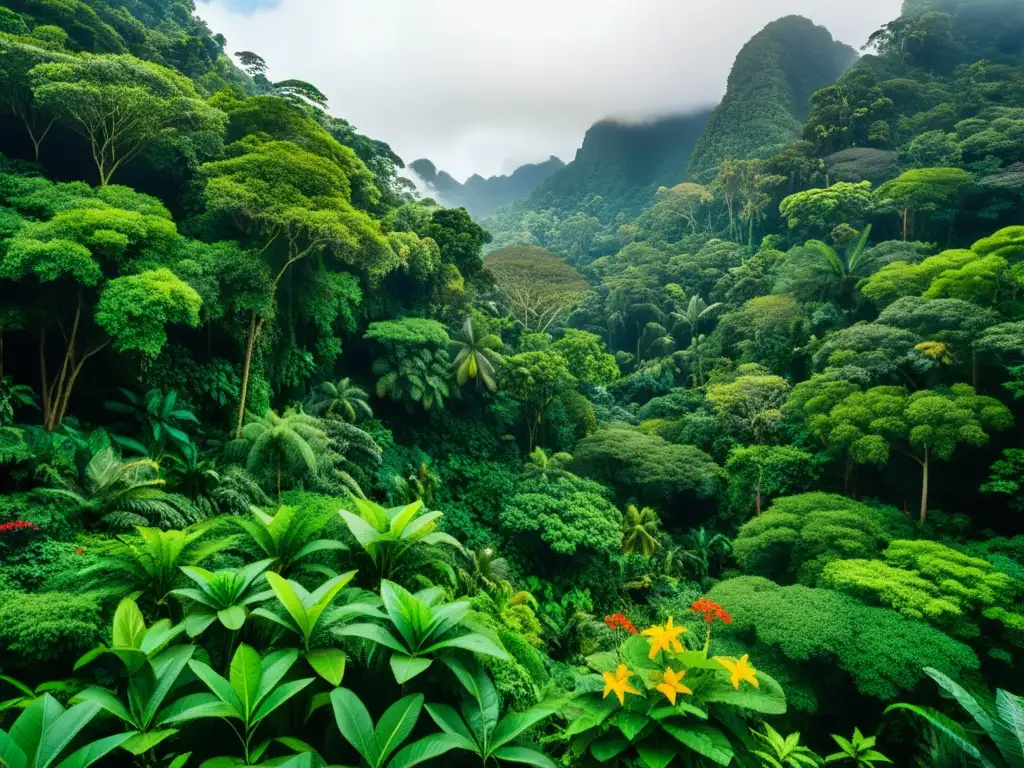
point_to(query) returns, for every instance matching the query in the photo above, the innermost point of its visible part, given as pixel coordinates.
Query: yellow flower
(671, 685)
(741, 670)
(664, 638)
(619, 683)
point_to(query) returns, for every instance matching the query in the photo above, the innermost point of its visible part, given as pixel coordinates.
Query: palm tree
(286, 443)
(476, 357)
(640, 531)
(341, 399)
(123, 493)
(695, 311)
(545, 467)
(699, 551)
(838, 274)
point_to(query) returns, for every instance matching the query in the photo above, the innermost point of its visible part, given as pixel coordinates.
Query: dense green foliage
(679, 473)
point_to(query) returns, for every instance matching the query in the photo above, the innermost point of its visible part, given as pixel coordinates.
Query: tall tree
(292, 205)
(537, 289)
(121, 104)
(924, 426)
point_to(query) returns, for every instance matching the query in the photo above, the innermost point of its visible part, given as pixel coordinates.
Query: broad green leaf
(180, 760)
(513, 724)
(474, 642)
(329, 663)
(355, 724)
(524, 755)
(107, 700)
(244, 674)
(481, 710)
(363, 532)
(197, 622)
(769, 699)
(56, 732)
(445, 617)
(129, 626)
(141, 743)
(604, 750)
(681, 709)
(406, 668)
(635, 654)
(10, 753)
(87, 658)
(425, 749)
(371, 632)
(279, 696)
(93, 752)
(705, 740)
(324, 594)
(167, 668)
(221, 688)
(232, 617)
(288, 597)
(401, 520)
(282, 621)
(948, 727)
(631, 723)
(396, 724)
(273, 668)
(653, 755)
(195, 706)
(448, 720)
(410, 616)
(319, 545)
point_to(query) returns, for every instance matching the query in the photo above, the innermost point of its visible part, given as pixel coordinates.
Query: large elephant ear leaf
(355, 724)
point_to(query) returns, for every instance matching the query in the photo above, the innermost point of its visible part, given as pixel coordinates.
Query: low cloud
(480, 86)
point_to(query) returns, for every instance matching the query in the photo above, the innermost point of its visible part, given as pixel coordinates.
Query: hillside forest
(703, 449)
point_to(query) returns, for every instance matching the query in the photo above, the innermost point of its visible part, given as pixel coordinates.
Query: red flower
(17, 525)
(619, 621)
(711, 611)
(80, 550)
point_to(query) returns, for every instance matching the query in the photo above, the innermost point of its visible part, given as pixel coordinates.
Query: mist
(483, 87)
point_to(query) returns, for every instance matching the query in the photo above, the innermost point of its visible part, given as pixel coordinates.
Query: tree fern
(283, 446)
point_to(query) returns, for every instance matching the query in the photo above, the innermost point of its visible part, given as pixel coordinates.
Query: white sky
(481, 86)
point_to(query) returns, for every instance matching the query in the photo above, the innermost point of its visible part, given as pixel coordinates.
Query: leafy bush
(799, 535)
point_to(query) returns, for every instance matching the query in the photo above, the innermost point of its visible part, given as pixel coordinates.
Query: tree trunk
(974, 365)
(906, 212)
(253, 330)
(924, 486)
(757, 502)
